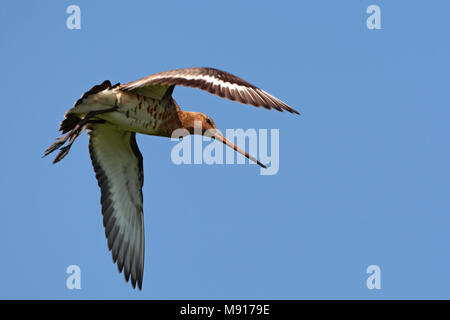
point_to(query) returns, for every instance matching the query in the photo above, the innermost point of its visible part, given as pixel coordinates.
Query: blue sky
(364, 173)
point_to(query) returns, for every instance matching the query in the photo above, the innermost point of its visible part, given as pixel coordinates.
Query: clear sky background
(364, 173)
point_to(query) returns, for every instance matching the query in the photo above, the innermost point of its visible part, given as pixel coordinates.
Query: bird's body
(134, 112)
(113, 115)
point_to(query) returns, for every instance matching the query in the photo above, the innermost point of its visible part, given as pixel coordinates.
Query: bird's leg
(72, 135)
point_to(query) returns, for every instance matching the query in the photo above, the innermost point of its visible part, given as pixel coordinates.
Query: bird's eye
(208, 120)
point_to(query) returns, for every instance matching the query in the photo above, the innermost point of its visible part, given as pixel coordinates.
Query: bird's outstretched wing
(117, 163)
(215, 81)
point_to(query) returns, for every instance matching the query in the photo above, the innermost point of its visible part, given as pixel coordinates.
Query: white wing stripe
(212, 80)
(207, 78)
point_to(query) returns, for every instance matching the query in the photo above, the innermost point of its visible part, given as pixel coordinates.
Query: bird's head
(196, 122)
(199, 123)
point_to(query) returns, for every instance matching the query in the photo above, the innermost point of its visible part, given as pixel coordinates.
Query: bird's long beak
(217, 135)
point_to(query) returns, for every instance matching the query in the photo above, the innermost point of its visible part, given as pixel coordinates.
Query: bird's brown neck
(180, 119)
(187, 120)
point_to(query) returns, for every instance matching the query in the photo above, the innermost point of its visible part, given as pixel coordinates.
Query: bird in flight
(113, 114)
